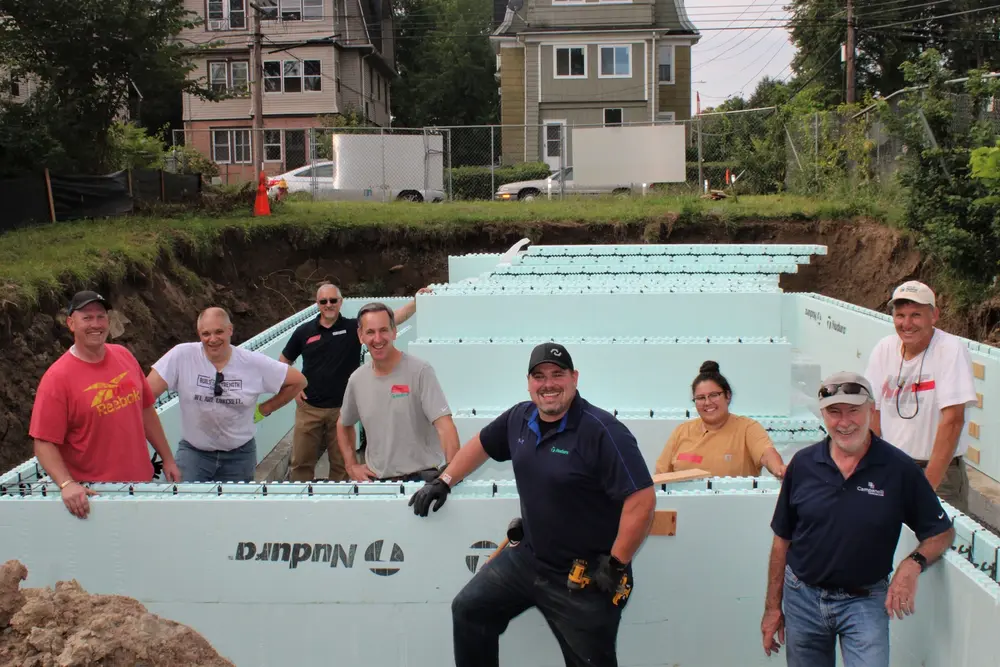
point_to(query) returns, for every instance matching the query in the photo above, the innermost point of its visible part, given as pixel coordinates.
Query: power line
(934, 18)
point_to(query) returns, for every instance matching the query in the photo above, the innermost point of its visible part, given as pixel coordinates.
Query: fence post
(163, 188)
(701, 162)
(493, 160)
(562, 160)
(816, 147)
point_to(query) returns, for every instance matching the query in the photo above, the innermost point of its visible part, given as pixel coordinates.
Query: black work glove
(436, 491)
(609, 573)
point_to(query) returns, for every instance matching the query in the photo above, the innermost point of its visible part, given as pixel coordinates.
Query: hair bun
(709, 367)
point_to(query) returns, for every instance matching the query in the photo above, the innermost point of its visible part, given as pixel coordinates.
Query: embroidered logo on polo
(399, 390)
(313, 339)
(556, 450)
(871, 490)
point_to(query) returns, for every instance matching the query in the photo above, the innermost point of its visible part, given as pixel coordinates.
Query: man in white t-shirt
(922, 377)
(218, 385)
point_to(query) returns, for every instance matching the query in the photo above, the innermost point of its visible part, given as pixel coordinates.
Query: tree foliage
(89, 59)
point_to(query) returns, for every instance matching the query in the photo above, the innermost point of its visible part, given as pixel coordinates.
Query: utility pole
(257, 135)
(850, 52)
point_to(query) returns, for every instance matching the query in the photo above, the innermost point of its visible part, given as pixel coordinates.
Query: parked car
(552, 187)
(320, 179)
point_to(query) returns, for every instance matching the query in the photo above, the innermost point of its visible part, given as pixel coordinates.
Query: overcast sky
(730, 62)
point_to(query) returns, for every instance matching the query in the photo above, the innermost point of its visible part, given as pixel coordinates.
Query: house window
(666, 64)
(612, 117)
(227, 14)
(571, 62)
(15, 87)
(268, 10)
(229, 77)
(312, 10)
(293, 76)
(272, 145)
(231, 146)
(616, 61)
(291, 10)
(666, 117)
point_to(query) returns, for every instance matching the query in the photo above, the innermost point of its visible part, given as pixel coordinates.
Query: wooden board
(973, 455)
(979, 370)
(664, 523)
(979, 401)
(680, 476)
(974, 430)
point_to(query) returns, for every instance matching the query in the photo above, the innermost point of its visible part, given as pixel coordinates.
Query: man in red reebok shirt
(94, 412)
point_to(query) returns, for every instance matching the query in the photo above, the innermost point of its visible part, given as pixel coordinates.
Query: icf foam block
(616, 375)
(597, 314)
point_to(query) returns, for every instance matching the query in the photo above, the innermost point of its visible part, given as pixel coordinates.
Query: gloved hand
(609, 573)
(436, 491)
(257, 415)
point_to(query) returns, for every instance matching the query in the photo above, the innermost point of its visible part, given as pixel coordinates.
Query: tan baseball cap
(915, 291)
(844, 387)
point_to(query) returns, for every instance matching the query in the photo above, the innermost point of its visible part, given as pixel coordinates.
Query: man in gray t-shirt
(398, 400)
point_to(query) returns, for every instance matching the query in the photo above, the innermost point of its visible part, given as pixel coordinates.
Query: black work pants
(585, 622)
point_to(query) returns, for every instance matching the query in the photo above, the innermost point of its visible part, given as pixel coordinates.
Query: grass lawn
(40, 260)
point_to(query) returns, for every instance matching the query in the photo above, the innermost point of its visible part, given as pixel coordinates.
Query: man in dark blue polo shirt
(331, 351)
(585, 492)
(836, 526)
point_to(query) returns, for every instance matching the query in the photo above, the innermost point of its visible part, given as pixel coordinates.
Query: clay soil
(265, 280)
(67, 627)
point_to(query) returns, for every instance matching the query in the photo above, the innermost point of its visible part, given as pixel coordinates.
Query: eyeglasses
(847, 388)
(323, 302)
(708, 397)
(219, 379)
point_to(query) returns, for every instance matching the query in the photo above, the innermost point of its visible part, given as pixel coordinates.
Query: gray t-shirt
(398, 412)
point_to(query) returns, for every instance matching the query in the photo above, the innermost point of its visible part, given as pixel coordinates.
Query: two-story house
(564, 63)
(320, 58)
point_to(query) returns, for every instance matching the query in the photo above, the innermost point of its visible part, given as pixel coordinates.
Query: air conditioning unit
(217, 24)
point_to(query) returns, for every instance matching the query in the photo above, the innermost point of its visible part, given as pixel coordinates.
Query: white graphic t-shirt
(910, 406)
(224, 422)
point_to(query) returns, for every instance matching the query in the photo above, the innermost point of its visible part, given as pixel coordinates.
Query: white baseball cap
(845, 387)
(915, 291)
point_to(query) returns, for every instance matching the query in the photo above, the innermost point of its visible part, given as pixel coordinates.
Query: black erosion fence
(45, 197)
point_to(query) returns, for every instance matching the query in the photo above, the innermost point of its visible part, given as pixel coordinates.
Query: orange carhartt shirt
(735, 450)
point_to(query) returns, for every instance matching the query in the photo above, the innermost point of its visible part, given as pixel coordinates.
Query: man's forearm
(468, 458)
(877, 423)
(153, 430)
(48, 455)
(776, 573)
(946, 437)
(637, 518)
(285, 395)
(934, 547)
(448, 435)
(346, 440)
(405, 311)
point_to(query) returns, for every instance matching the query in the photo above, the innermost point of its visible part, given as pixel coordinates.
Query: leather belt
(923, 464)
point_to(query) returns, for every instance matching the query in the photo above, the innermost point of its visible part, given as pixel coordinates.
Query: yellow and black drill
(579, 579)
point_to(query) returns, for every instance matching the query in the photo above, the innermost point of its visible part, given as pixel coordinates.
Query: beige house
(15, 89)
(320, 58)
(564, 63)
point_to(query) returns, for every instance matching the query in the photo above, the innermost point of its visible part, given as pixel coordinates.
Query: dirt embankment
(67, 627)
(265, 280)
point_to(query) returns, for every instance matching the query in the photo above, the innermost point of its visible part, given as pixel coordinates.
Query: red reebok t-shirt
(93, 412)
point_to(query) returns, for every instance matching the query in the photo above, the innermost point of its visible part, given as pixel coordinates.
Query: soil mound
(68, 627)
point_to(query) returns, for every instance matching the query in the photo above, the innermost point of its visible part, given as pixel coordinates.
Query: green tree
(88, 58)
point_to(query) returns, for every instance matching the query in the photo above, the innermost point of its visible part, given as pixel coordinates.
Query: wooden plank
(973, 455)
(680, 476)
(974, 430)
(664, 523)
(48, 189)
(979, 370)
(979, 401)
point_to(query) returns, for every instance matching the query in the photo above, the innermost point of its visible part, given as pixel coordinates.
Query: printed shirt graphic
(219, 423)
(735, 450)
(946, 380)
(93, 412)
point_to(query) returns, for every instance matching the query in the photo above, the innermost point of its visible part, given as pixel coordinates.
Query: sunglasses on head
(219, 379)
(847, 388)
(323, 302)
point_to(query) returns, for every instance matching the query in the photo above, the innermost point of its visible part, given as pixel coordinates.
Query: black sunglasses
(849, 388)
(323, 302)
(219, 379)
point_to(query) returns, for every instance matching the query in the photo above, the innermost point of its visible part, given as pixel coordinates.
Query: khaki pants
(954, 488)
(315, 430)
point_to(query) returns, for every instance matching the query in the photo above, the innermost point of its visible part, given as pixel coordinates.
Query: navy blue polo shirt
(844, 533)
(329, 356)
(572, 479)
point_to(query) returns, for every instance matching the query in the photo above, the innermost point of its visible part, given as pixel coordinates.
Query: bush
(478, 183)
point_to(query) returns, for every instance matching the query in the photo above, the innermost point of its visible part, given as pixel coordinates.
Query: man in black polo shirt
(585, 492)
(836, 526)
(330, 351)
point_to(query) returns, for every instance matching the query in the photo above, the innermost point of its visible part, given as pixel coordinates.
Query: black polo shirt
(572, 480)
(844, 532)
(329, 356)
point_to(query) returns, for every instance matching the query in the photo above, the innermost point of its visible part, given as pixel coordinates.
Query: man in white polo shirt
(922, 377)
(218, 385)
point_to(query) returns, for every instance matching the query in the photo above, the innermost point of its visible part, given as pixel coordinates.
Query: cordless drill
(578, 579)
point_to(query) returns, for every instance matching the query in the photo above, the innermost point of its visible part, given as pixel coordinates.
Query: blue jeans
(196, 465)
(585, 622)
(815, 618)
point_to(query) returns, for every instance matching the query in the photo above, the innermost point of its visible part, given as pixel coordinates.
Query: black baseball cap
(552, 353)
(81, 299)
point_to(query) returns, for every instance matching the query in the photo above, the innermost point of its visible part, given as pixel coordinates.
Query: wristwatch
(920, 559)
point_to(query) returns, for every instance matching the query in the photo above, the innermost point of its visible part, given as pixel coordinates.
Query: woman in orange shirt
(719, 442)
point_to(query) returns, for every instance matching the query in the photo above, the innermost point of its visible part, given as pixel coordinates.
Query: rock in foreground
(68, 627)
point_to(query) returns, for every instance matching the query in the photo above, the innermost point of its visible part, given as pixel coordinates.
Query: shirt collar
(569, 421)
(876, 454)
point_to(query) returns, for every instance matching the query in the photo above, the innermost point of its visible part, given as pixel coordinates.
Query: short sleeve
(757, 441)
(50, 413)
(665, 462)
(349, 406)
(622, 469)
(272, 372)
(167, 367)
(958, 385)
(293, 348)
(784, 519)
(875, 375)
(922, 511)
(432, 398)
(148, 399)
(494, 436)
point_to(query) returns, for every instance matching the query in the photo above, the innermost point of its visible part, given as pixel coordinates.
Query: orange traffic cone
(262, 206)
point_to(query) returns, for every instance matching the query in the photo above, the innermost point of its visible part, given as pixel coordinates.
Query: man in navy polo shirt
(585, 492)
(836, 526)
(330, 351)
